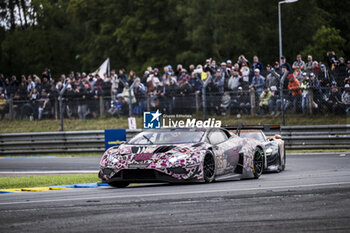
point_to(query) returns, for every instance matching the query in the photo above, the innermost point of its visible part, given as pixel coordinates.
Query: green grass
(20, 126)
(44, 181)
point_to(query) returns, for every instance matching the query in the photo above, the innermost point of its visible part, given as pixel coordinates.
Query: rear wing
(265, 128)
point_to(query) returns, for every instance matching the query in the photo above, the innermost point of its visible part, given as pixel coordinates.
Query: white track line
(172, 193)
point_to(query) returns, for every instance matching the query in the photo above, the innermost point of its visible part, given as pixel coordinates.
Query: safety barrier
(296, 137)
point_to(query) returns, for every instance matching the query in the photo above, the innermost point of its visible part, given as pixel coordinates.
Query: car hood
(127, 153)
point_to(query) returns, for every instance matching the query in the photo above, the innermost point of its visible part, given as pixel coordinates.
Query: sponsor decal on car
(152, 120)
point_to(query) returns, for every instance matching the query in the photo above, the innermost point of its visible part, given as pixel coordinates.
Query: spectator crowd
(309, 85)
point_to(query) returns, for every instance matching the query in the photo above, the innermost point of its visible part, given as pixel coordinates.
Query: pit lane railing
(295, 137)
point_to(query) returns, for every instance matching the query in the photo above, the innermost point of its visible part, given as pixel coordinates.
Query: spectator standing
(316, 91)
(235, 81)
(264, 101)
(315, 68)
(123, 80)
(243, 100)
(183, 77)
(294, 87)
(308, 65)
(258, 82)
(334, 102)
(285, 63)
(257, 64)
(120, 107)
(345, 98)
(275, 101)
(340, 72)
(299, 63)
(44, 104)
(298, 73)
(245, 71)
(331, 59)
(272, 79)
(305, 93)
(325, 78)
(241, 60)
(115, 83)
(3, 106)
(196, 83)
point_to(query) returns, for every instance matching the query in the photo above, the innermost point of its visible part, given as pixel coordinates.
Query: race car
(182, 155)
(274, 149)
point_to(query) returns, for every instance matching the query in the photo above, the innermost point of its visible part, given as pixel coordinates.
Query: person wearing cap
(229, 64)
(340, 72)
(315, 87)
(273, 78)
(345, 98)
(225, 71)
(120, 107)
(325, 77)
(278, 68)
(285, 63)
(264, 101)
(183, 77)
(334, 103)
(305, 94)
(257, 64)
(258, 82)
(243, 101)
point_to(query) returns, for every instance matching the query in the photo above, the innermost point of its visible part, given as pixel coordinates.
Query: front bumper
(107, 175)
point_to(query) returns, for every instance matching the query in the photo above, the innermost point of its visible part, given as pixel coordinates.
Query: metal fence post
(11, 109)
(148, 102)
(281, 95)
(252, 101)
(101, 106)
(311, 100)
(204, 97)
(197, 102)
(130, 97)
(56, 109)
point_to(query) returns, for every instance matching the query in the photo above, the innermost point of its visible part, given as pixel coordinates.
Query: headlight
(111, 158)
(269, 151)
(177, 158)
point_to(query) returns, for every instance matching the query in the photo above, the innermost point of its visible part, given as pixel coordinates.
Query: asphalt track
(313, 194)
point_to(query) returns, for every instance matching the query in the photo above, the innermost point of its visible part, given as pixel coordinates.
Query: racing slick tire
(284, 161)
(209, 168)
(258, 163)
(119, 184)
(279, 162)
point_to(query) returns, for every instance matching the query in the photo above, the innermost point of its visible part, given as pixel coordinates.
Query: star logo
(155, 115)
(151, 120)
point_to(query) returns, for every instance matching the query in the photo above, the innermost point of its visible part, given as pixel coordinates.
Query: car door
(226, 157)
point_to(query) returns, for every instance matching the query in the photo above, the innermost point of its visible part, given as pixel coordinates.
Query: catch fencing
(295, 137)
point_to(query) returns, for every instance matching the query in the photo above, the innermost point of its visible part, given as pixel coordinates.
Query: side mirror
(278, 136)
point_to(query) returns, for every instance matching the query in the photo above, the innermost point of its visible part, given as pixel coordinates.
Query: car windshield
(167, 137)
(254, 135)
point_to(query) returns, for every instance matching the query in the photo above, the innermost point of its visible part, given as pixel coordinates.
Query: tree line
(66, 35)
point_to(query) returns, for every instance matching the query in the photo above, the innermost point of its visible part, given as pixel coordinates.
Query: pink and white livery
(182, 155)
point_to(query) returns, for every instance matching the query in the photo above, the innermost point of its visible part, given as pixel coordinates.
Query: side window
(217, 136)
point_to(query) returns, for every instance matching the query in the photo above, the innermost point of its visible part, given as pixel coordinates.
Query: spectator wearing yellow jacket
(264, 101)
